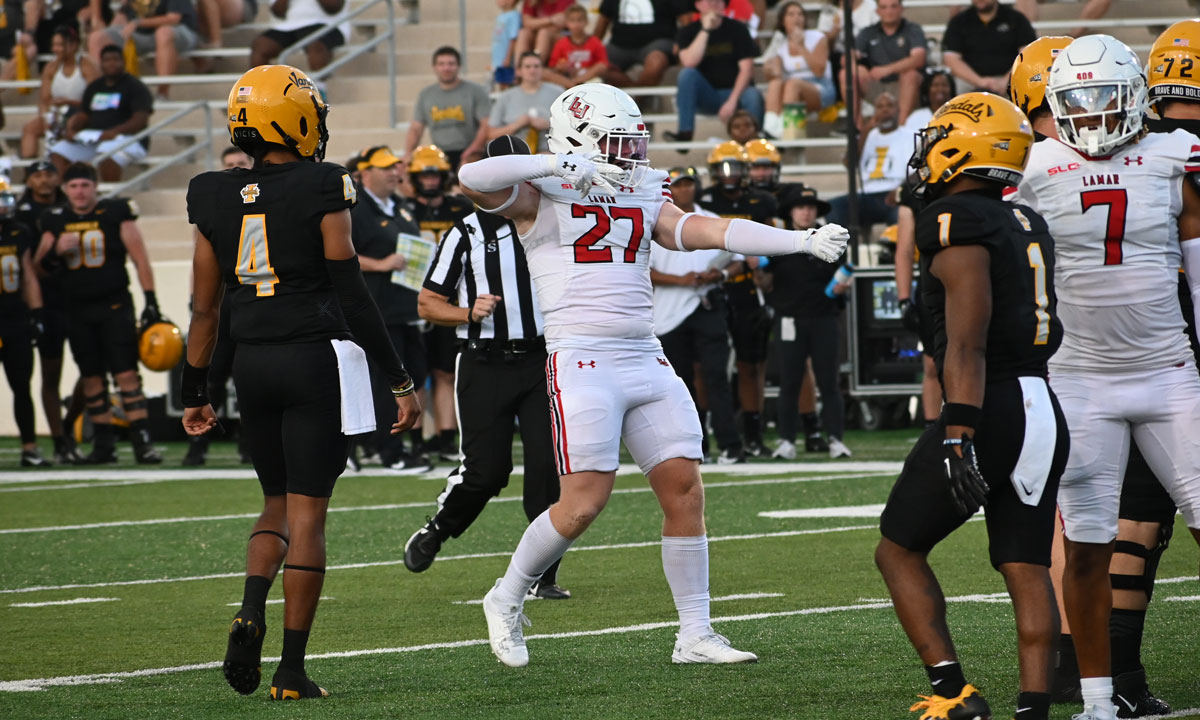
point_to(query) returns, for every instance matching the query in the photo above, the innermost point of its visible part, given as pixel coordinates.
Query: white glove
(583, 172)
(827, 242)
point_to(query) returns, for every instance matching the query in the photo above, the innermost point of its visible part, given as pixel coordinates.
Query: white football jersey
(589, 259)
(1116, 244)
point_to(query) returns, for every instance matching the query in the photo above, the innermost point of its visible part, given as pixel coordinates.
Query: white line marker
(746, 596)
(278, 601)
(847, 511)
(76, 601)
(1182, 598)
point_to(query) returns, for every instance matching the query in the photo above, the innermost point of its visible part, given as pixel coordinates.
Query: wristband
(961, 414)
(195, 385)
(405, 388)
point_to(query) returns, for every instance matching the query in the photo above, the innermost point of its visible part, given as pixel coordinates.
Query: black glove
(967, 485)
(910, 316)
(37, 326)
(150, 313)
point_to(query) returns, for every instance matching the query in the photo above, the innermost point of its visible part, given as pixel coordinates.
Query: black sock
(947, 680)
(103, 436)
(930, 423)
(418, 441)
(295, 642)
(139, 431)
(550, 577)
(752, 423)
(255, 594)
(812, 423)
(449, 439)
(1125, 634)
(1033, 706)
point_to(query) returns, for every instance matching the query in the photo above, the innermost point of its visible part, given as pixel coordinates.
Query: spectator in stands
(717, 55)
(167, 27)
(981, 41)
(542, 22)
(235, 157)
(217, 14)
(504, 41)
(1092, 10)
(63, 82)
(643, 32)
(742, 127)
(454, 110)
(829, 21)
(890, 55)
(797, 64)
(524, 110)
(883, 166)
(115, 106)
(936, 90)
(298, 19)
(577, 57)
(741, 10)
(75, 14)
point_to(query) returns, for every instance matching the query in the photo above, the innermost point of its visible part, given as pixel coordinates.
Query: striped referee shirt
(481, 254)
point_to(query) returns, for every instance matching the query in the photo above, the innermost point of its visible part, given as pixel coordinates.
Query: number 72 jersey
(1115, 227)
(265, 228)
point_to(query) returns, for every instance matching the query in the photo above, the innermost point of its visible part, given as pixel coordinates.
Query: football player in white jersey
(586, 217)
(1122, 215)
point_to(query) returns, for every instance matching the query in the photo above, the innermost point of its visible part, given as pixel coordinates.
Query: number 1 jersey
(1114, 222)
(589, 259)
(265, 228)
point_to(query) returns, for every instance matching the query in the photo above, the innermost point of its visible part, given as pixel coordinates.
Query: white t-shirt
(302, 13)
(795, 66)
(917, 120)
(884, 161)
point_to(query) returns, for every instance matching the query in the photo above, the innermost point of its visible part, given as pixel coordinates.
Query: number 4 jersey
(265, 227)
(589, 259)
(1114, 222)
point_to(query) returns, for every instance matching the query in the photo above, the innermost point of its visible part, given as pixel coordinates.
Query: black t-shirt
(436, 221)
(728, 44)
(95, 270)
(749, 204)
(1024, 330)
(374, 234)
(633, 32)
(798, 289)
(29, 211)
(989, 49)
(265, 227)
(16, 239)
(109, 105)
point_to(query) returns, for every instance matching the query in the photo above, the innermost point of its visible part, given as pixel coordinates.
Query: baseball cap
(380, 156)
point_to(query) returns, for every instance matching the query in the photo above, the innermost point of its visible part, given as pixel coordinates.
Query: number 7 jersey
(1114, 222)
(589, 259)
(265, 228)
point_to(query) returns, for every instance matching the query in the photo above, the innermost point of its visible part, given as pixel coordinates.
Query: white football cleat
(1107, 711)
(505, 633)
(785, 450)
(837, 448)
(709, 648)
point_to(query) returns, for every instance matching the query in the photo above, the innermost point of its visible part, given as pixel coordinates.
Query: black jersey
(15, 240)
(95, 270)
(436, 221)
(1024, 330)
(749, 204)
(29, 210)
(265, 228)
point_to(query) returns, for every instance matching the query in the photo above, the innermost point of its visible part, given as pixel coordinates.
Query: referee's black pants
(493, 389)
(815, 338)
(704, 338)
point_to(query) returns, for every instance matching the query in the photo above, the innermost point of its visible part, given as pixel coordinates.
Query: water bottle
(840, 277)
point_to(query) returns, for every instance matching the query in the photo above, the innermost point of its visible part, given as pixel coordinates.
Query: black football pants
(704, 338)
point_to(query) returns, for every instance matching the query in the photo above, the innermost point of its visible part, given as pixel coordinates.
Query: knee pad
(96, 404)
(133, 399)
(1150, 558)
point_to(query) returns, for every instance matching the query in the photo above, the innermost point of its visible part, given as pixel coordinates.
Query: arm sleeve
(446, 270)
(363, 318)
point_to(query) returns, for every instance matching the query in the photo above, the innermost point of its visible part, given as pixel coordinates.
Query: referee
(500, 375)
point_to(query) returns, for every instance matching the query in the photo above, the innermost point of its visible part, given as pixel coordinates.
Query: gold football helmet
(280, 105)
(728, 164)
(428, 158)
(1173, 67)
(763, 154)
(976, 134)
(160, 346)
(1031, 72)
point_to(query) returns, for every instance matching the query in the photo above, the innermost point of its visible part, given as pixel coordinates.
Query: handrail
(174, 159)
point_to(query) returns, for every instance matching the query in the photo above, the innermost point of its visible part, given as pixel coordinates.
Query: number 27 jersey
(1114, 222)
(589, 259)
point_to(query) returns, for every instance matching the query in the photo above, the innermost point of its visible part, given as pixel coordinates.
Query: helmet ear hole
(303, 125)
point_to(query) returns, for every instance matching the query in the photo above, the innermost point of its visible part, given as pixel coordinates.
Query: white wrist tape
(679, 233)
(1191, 266)
(751, 238)
(498, 173)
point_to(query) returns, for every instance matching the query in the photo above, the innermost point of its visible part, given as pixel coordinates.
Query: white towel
(1037, 450)
(354, 379)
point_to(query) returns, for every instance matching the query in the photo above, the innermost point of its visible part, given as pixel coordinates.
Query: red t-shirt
(736, 9)
(546, 8)
(578, 57)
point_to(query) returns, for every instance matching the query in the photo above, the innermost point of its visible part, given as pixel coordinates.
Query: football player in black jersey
(20, 320)
(989, 286)
(749, 322)
(278, 236)
(87, 240)
(436, 212)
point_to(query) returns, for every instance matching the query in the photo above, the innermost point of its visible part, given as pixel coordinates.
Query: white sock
(540, 546)
(773, 123)
(685, 563)
(1097, 691)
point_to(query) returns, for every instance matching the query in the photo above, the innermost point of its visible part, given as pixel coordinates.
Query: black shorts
(1143, 498)
(750, 329)
(287, 38)
(290, 402)
(920, 511)
(103, 336)
(441, 349)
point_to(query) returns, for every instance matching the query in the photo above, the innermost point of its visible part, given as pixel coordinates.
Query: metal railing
(181, 156)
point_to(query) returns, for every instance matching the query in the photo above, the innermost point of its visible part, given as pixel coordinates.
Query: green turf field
(158, 553)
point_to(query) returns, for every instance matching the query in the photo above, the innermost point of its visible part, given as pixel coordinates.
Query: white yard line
(76, 601)
(846, 511)
(277, 601)
(1182, 598)
(722, 598)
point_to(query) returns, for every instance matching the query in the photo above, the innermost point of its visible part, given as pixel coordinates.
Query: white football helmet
(1097, 94)
(597, 117)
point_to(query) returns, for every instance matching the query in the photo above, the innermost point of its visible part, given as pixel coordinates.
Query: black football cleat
(143, 451)
(197, 453)
(100, 456)
(243, 657)
(292, 685)
(969, 705)
(815, 442)
(422, 548)
(549, 591)
(33, 458)
(65, 452)
(1133, 698)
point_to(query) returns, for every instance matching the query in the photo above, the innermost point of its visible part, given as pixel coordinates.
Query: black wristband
(151, 299)
(961, 414)
(195, 385)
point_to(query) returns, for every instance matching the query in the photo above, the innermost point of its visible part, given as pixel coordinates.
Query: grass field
(151, 562)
